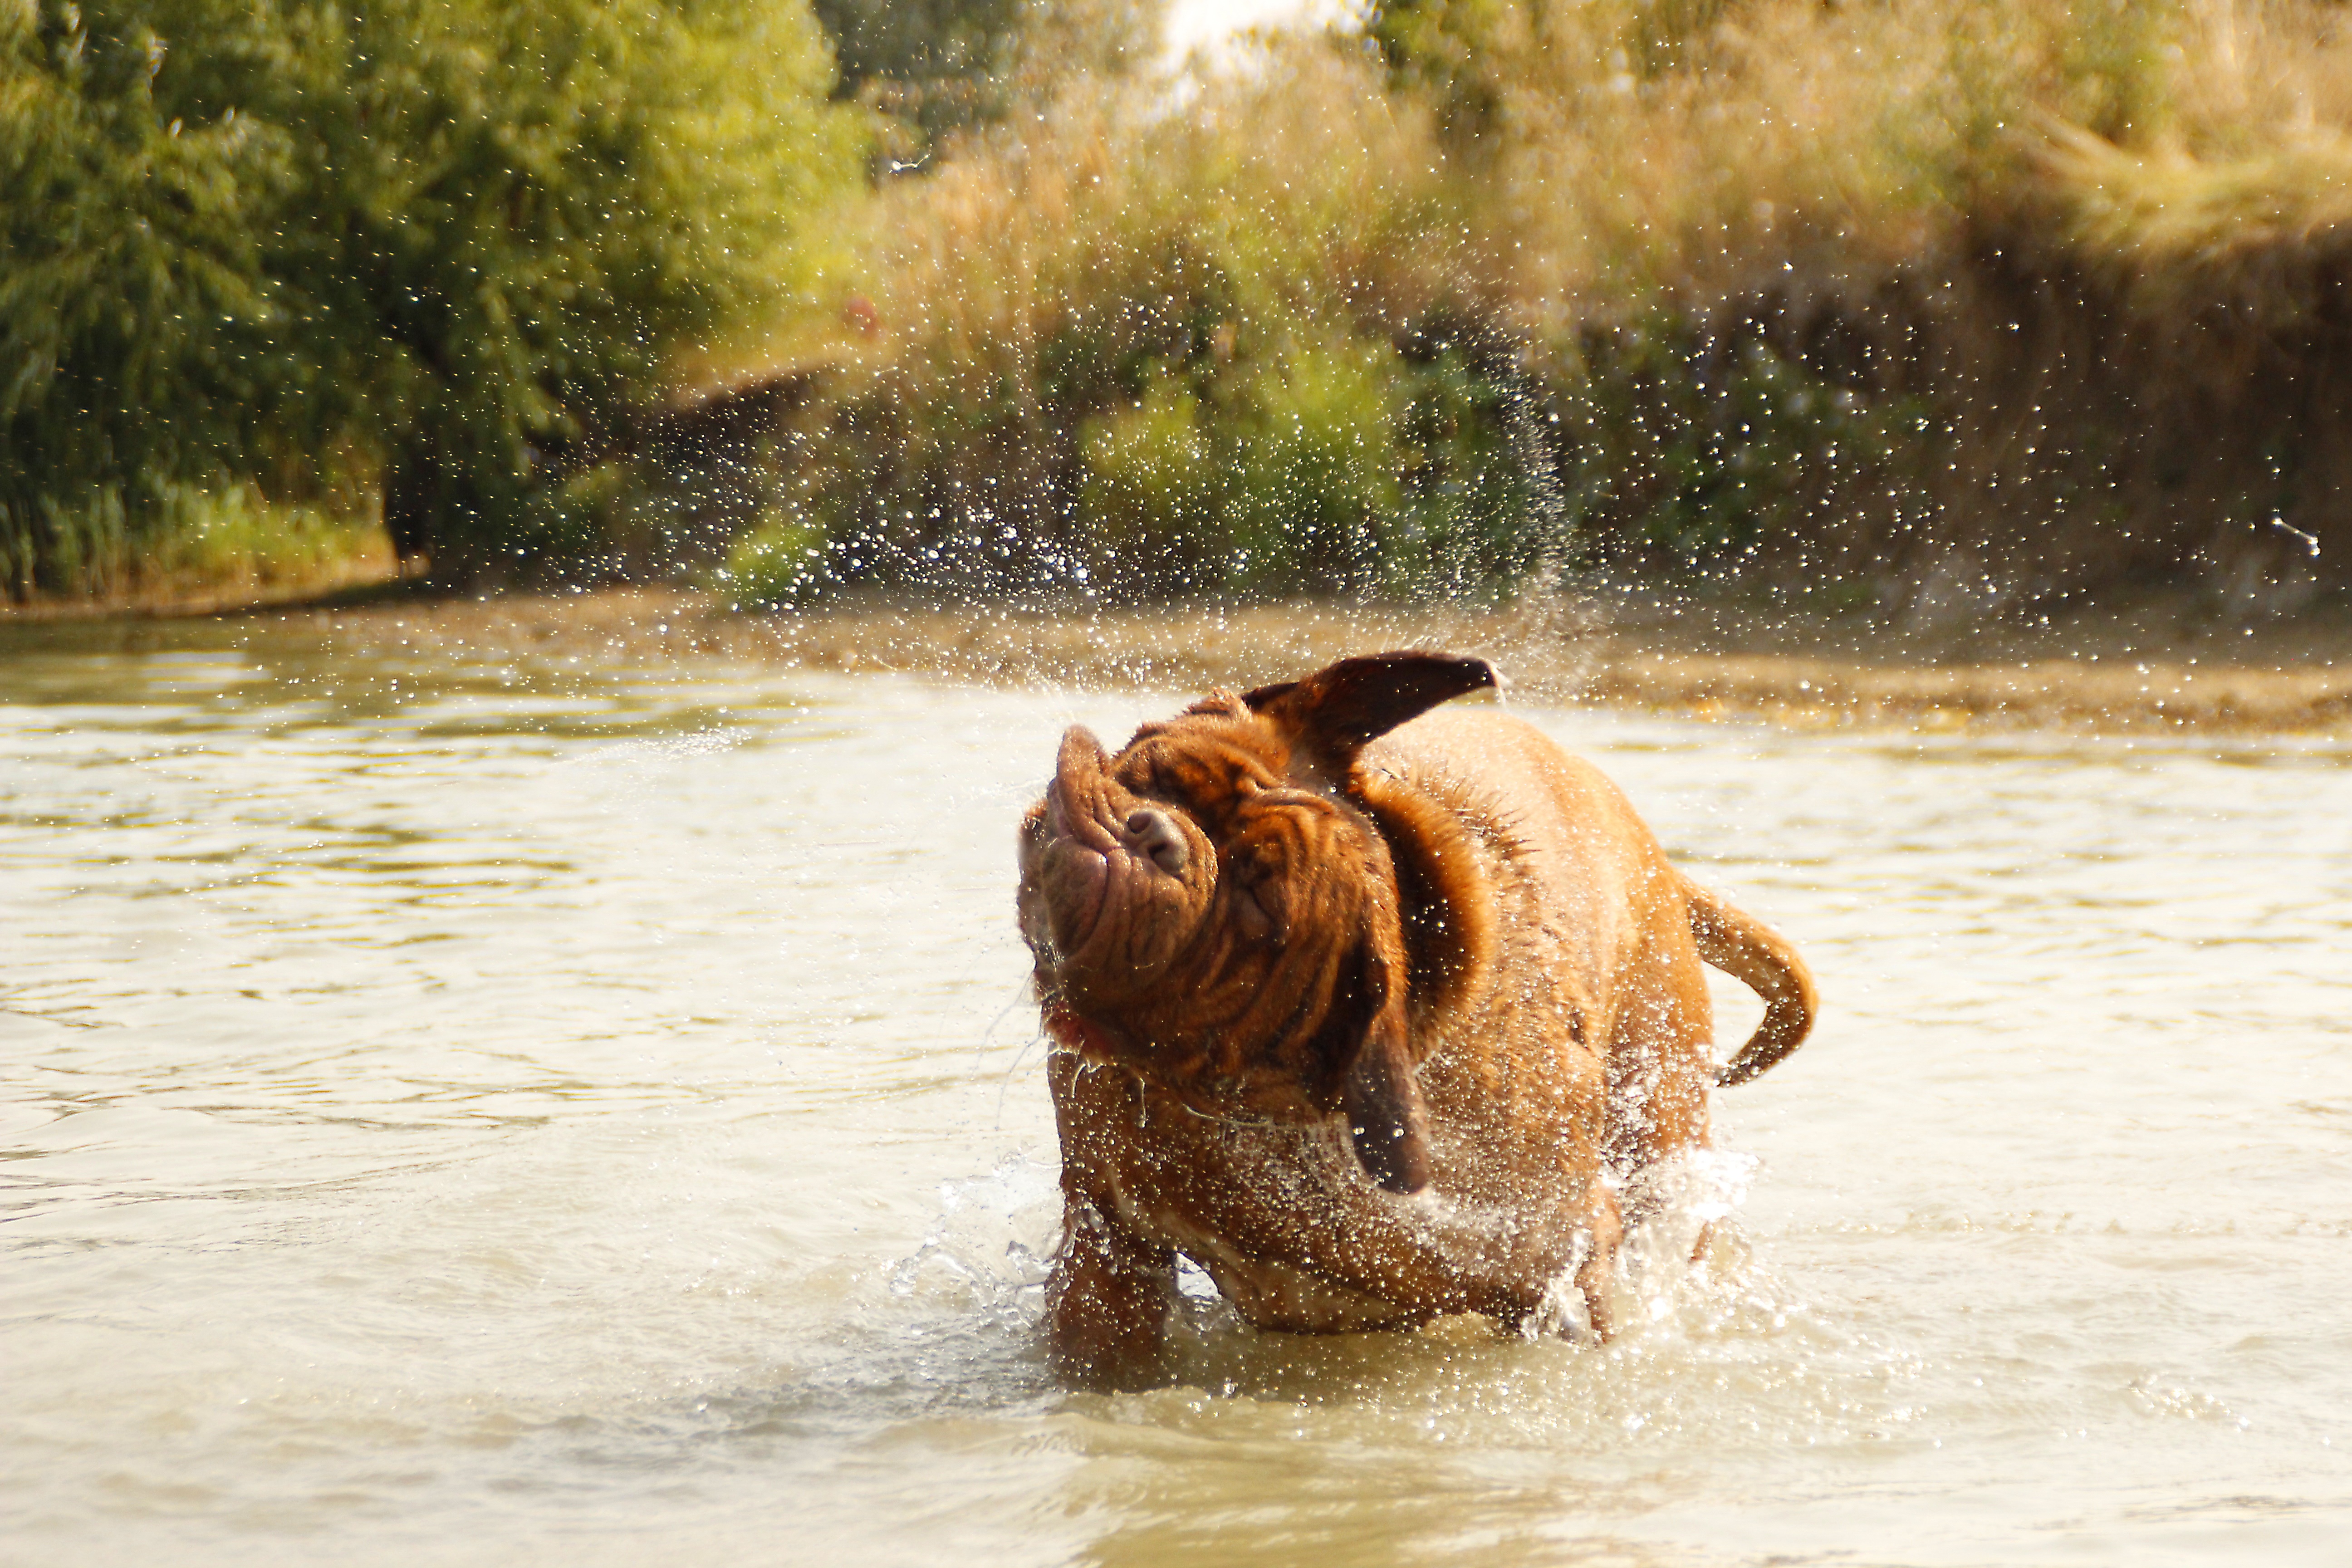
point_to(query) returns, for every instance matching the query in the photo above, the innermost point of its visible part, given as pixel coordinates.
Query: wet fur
(1422, 998)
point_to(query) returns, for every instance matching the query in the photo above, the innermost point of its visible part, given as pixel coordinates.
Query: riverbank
(354, 568)
(2153, 663)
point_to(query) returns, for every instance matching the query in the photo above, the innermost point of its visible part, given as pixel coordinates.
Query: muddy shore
(2153, 665)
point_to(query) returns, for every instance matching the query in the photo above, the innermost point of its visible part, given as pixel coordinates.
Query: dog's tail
(1762, 960)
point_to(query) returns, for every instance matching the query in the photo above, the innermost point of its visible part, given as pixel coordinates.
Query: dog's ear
(1387, 1122)
(1337, 709)
(1446, 904)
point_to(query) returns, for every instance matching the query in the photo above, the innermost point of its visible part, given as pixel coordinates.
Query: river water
(467, 1107)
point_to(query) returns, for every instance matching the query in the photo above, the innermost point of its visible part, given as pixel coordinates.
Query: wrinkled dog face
(1179, 893)
(1212, 910)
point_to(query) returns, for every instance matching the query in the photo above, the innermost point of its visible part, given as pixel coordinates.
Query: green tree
(452, 243)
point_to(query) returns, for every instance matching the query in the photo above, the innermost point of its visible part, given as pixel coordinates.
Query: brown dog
(1358, 1024)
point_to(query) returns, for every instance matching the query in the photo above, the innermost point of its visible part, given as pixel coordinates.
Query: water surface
(484, 1108)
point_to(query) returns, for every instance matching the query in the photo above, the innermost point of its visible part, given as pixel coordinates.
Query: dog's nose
(1155, 834)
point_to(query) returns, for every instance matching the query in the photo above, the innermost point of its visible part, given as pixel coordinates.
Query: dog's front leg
(1107, 1300)
(1597, 1272)
(1109, 1295)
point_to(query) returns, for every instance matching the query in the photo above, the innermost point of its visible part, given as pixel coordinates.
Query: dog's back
(1596, 972)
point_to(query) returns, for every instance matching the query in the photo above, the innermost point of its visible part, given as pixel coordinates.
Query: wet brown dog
(1355, 1004)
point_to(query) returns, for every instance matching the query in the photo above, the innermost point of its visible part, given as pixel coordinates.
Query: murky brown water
(476, 1111)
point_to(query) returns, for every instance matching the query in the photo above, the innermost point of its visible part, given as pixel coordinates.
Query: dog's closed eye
(1250, 913)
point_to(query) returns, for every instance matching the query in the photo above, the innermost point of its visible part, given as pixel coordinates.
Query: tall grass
(1955, 305)
(1840, 141)
(1238, 344)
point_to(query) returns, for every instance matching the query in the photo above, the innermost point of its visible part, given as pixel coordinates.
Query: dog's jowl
(1372, 1008)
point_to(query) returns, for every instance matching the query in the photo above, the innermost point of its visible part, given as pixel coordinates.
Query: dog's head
(1219, 907)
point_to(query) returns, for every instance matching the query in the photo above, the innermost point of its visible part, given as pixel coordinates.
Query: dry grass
(1304, 193)
(2091, 240)
(1802, 135)
(1305, 189)
(1783, 137)
(1825, 146)
(1830, 143)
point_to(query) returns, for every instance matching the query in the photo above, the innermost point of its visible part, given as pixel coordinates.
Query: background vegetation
(404, 258)
(1953, 307)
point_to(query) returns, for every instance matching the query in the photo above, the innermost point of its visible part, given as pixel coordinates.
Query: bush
(459, 241)
(1711, 449)
(931, 67)
(1316, 464)
(1281, 473)
(778, 562)
(1489, 501)
(1144, 354)
(181, 537)
(1711, 285)
(1154, 480)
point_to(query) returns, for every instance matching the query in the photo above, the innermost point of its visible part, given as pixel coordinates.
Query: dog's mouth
(1084, 859)
(1071, 1031)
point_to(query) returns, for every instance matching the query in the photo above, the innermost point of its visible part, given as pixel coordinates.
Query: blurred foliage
(1494, 289)
(1141, 354)
(170, 538)
(918, 40)
(1472, 56)
(1279, 473)
(1315, 466)
(1450, 51)
(1152, 474)
(272, 243)
(1711, 449)
(776, 563)
(1880, 290)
